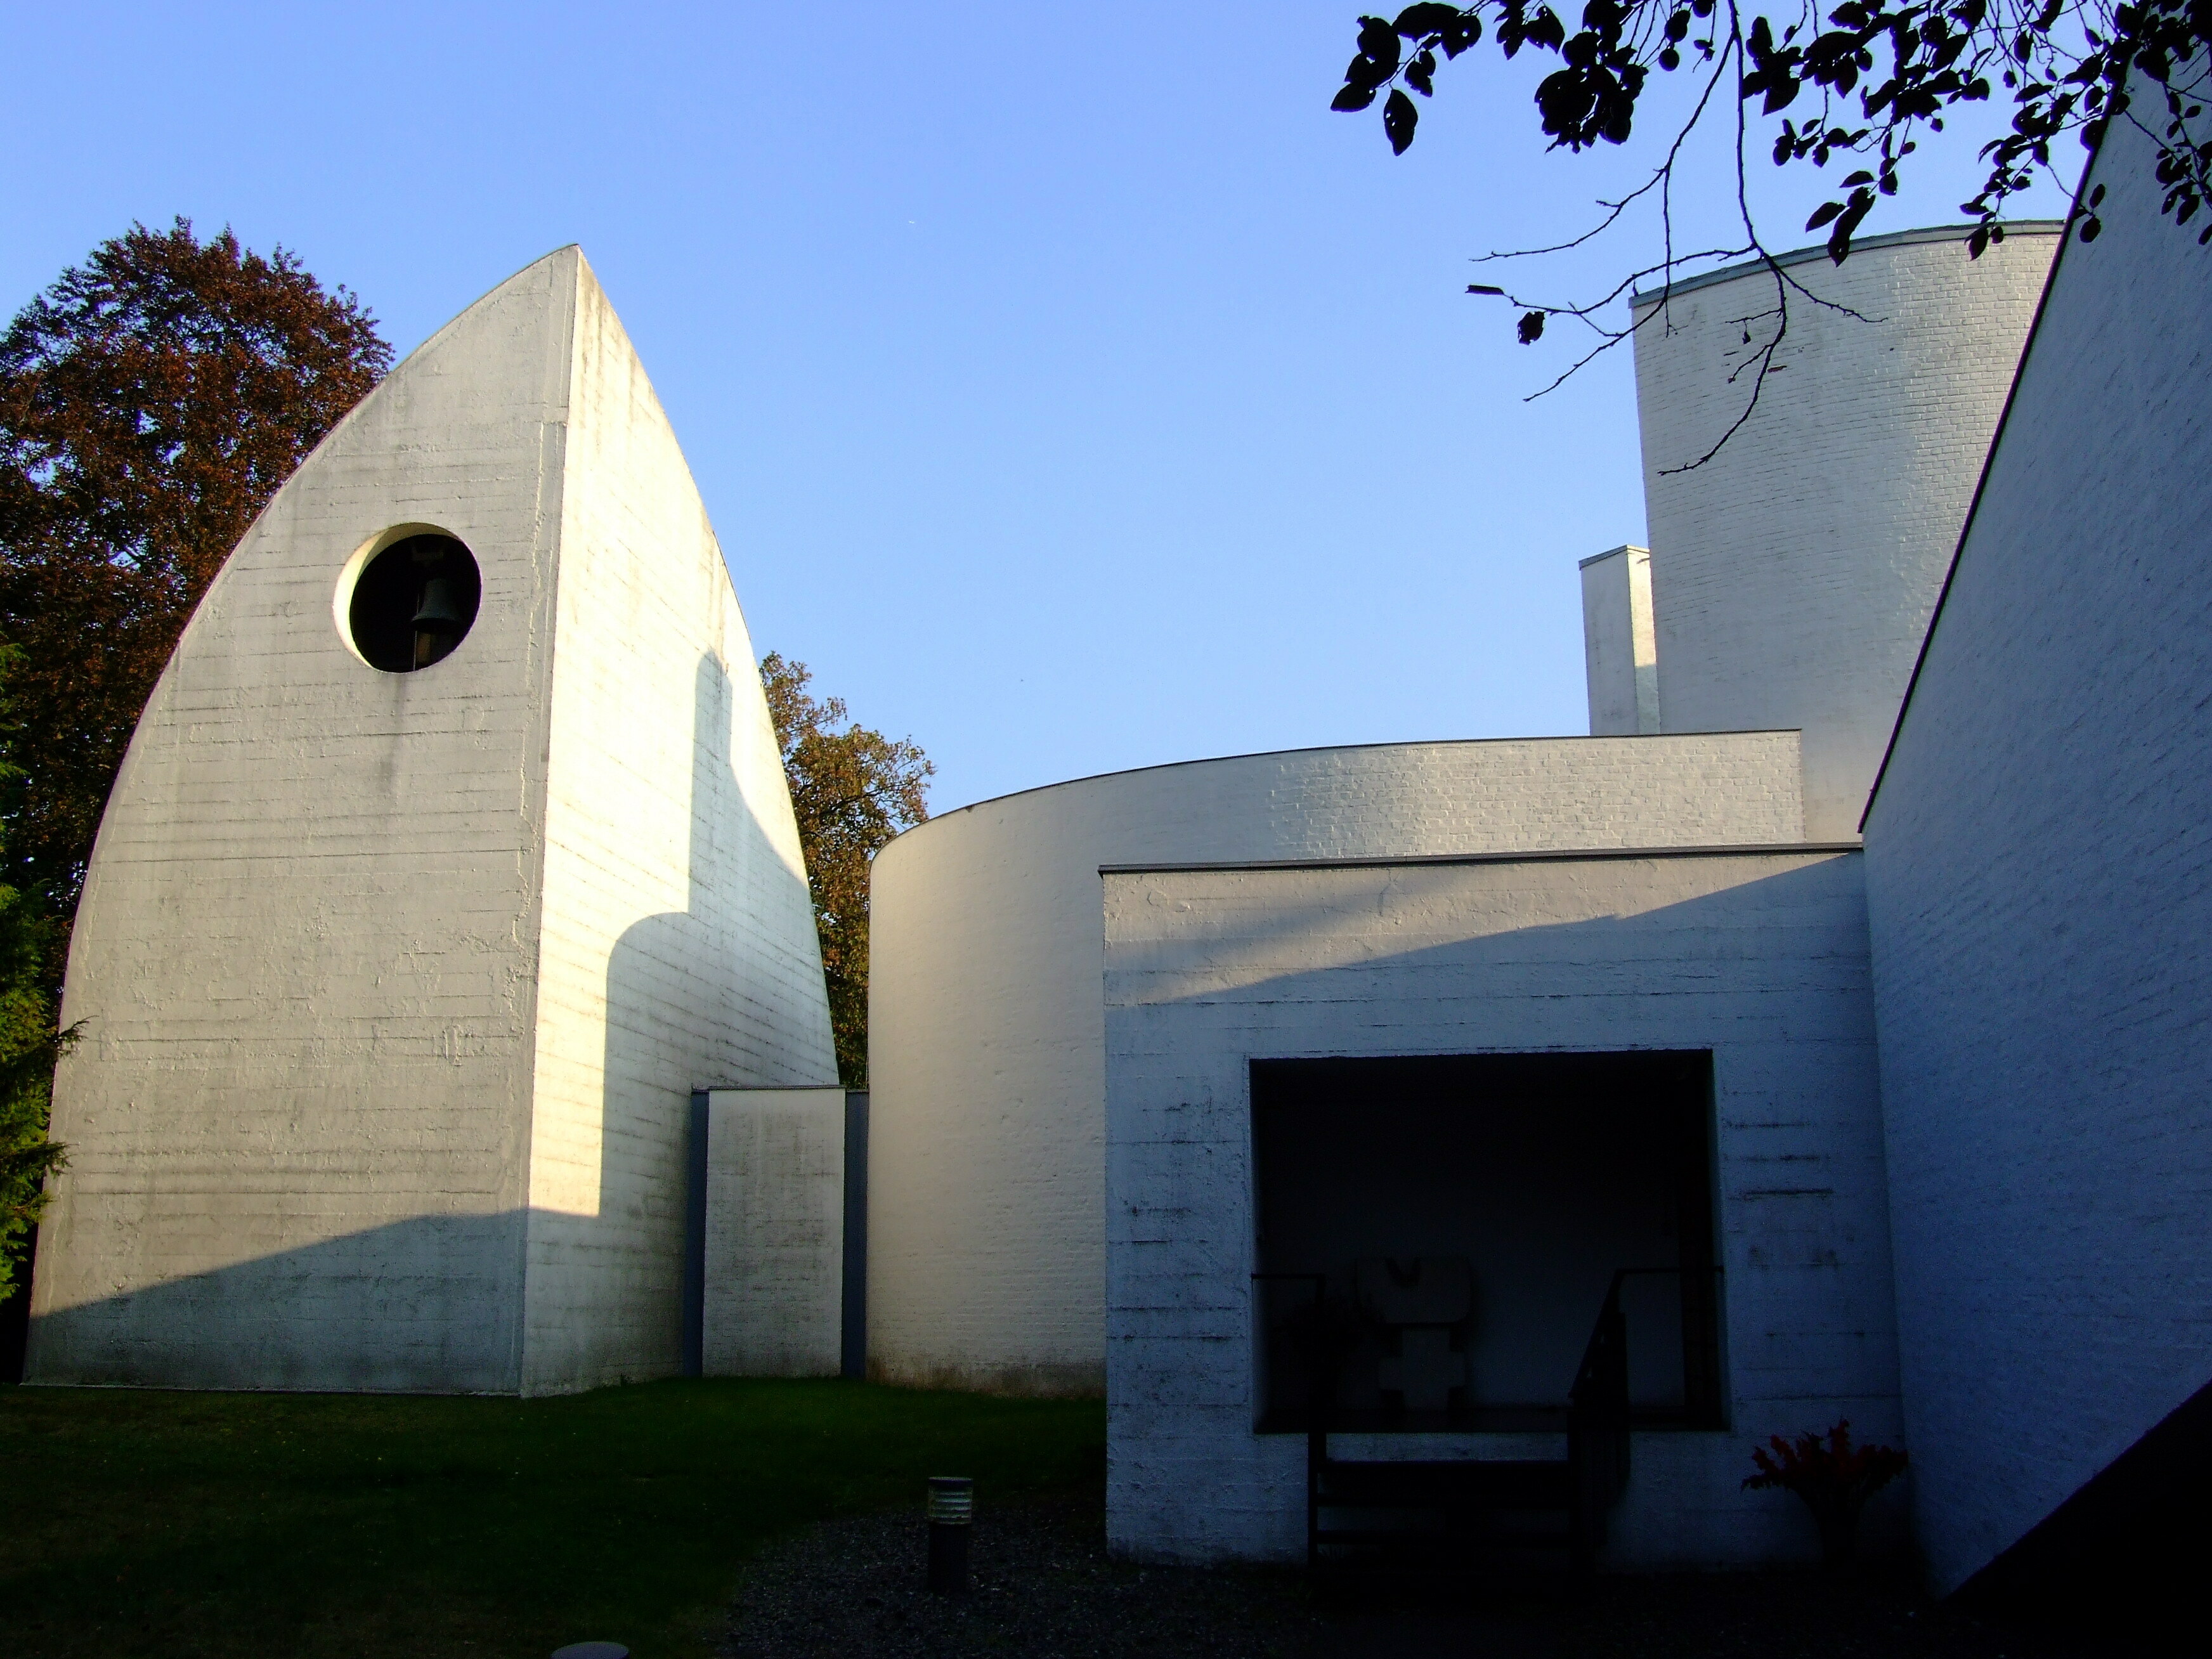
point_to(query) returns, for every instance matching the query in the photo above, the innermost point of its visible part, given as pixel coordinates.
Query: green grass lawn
(313, 1525)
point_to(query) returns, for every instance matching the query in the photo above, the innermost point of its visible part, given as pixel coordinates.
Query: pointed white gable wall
(347, 953)
(678, 948)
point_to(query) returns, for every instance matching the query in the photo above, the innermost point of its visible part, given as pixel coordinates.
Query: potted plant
(1834, 1478)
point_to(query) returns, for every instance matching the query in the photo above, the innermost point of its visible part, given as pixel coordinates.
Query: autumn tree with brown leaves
(852, 790)
(151, 401)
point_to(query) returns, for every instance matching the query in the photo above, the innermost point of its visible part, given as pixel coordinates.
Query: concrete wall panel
(776, 1230)
(1620, 646)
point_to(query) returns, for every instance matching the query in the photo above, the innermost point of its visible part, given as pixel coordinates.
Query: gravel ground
(1045, 1589)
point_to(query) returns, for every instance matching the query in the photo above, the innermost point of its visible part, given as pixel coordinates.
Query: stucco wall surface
(986, 1260)
(304, 1117)
(1760, 958)
(2040, 875)
(775, 1232)
(1793, 575)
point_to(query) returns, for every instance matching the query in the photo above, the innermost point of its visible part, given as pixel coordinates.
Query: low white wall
(986, 1263)
(774, 1232)
(1760, 958)
(2040, 875)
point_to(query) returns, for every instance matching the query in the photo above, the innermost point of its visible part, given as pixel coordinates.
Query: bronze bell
(439, 611)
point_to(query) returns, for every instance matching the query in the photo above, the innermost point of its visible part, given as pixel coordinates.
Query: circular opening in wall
(413, 603)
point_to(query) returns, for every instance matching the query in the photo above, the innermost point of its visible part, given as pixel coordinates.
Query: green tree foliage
(151, 401)
(1863, 87)
(28, 1045)
(852, 790)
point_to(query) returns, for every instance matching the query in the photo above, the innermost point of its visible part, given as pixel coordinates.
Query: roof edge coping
(1551, 855)
(1801, 256)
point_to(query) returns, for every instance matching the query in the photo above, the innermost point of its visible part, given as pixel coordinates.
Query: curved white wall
(986, 1260)
(1794, 574)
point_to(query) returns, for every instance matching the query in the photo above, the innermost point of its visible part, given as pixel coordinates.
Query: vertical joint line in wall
(853, 1356)
(695, 1241)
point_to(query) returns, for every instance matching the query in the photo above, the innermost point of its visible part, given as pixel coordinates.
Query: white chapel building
(1823, 1038)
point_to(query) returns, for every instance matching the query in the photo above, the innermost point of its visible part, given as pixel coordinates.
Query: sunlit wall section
(1793, 572)
(678, 948)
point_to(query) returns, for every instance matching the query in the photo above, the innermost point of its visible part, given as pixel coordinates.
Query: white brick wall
(329, 971)
(1794, 574)
(2039, 874)
(1760, 958)
(987, 1256)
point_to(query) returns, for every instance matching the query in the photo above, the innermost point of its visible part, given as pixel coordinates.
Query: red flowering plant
(1833, 1477)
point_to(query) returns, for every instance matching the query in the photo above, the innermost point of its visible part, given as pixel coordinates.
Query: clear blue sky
(1069, 387)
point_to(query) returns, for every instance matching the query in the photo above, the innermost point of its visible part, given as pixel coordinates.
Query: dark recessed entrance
(1466, 1218)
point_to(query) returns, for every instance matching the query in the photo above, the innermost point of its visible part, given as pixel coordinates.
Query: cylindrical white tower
(1794, 572)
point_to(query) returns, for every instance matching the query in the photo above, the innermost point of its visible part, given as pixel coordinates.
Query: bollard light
(951, 1517)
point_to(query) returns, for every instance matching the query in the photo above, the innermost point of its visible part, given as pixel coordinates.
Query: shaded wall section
(2039, 879)
(1757, 958)
(773, 1257)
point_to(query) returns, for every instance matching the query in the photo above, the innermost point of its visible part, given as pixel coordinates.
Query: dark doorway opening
(1439, 1237)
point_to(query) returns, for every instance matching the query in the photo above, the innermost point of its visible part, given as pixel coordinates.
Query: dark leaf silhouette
(1416, 22)
(1871, 80)
(1399, 116)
